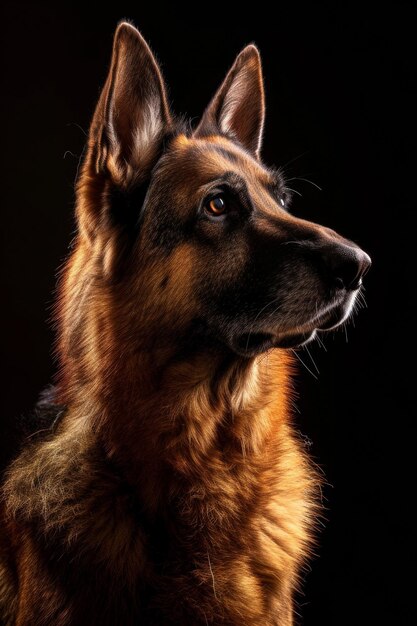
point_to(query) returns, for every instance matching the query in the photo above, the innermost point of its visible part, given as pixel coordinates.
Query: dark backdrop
(340, 101)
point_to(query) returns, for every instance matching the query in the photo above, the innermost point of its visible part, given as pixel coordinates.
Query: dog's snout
(346, 265)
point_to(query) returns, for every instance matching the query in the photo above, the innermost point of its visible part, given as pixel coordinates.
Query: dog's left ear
(238, 108)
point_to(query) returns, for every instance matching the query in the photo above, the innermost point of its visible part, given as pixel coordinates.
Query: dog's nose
(346, 265)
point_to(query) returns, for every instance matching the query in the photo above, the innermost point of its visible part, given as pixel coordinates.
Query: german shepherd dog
(170, 488)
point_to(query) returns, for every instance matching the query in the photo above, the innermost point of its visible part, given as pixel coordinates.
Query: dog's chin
(251, 344)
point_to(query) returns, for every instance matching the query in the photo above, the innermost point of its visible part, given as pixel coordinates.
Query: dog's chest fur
(94, 554)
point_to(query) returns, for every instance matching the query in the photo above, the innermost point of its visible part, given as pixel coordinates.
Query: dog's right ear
(132, 114)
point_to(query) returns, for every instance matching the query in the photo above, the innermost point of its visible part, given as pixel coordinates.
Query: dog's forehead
(205, 159)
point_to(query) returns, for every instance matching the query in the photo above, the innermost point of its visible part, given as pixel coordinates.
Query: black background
(340, 105)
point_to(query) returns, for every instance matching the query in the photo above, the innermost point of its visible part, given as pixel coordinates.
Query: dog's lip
(294, 340)
(334, 317)
(251, 344)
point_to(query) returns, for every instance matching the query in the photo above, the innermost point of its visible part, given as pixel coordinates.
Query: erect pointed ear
(132, 114)
(238, 108)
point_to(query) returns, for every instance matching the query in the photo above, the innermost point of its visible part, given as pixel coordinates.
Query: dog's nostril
(347, 266)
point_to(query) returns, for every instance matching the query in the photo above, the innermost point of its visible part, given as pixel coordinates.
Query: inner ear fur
(238, 107)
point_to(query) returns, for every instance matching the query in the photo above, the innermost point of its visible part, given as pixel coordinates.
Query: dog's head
(191, 230)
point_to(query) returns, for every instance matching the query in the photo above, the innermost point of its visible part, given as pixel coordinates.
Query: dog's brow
(233, 180)
(224, 152)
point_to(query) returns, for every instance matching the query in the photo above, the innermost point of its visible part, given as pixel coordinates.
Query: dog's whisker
(311, 359)
(79, 127)
(306, 180)
(302, 363)
(362, 299)
(294, 191)
(70, 153)
(296, 158)
(320, 342)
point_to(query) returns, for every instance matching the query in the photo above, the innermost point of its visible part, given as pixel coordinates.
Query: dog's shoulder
(63, 484)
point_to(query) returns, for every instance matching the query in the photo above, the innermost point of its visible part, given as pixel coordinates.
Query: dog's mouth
(249, 344)
(253, 343)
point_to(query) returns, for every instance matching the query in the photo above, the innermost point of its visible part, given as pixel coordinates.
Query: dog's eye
(284, 198)
(216, 206)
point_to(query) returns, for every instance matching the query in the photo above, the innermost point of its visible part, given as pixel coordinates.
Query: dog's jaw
(331, 316)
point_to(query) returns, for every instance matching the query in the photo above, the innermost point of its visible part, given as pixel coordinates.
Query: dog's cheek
(172, 284)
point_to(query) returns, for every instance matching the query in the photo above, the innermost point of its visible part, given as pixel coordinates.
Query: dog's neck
(163, 414)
